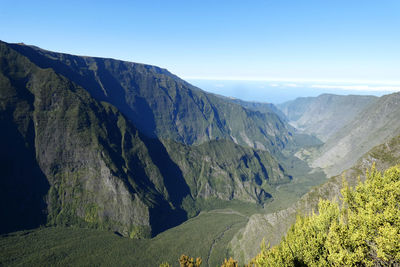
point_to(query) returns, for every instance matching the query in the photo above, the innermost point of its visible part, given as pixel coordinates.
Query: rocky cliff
(79, 147)
(161, 104)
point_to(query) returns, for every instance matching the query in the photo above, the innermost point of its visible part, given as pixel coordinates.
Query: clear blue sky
(311, 40)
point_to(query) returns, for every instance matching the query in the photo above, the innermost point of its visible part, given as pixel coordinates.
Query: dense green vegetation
(94, 144)
(93, 168)
(363, 231)
(161, 104)
(90, 158)
(204, 236)
(222, 169)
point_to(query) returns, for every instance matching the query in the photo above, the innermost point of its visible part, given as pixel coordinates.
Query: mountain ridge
(377, 123)
(162, 98)
(132, 148)
(91, 158)
(325, 114)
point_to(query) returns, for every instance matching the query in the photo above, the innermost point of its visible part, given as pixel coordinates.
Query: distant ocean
(277, 92)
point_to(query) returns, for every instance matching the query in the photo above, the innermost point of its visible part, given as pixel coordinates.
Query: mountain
(273, 226)
(300, 139)
(133, 149)
(90, 166)
(377, 123)
(224, 170)
(349, 126)
(324, 115)
(162, 105)
(259, 106)
(125, 147)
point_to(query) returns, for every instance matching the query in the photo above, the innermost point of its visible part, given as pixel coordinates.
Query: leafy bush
(230, 263)
(186, 261)
(363, 231)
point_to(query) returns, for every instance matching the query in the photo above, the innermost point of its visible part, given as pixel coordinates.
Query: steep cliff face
(160, 104)
(92, 166)
(71, 159)
(224, 170)
(23, 185)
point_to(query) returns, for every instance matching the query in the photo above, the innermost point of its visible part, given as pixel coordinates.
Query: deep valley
(108, 162)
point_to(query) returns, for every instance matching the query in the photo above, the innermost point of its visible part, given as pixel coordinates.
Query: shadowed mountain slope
(161, 104)
(70, 159)
(96, 167)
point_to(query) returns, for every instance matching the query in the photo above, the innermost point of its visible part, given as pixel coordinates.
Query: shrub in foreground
(364, 231)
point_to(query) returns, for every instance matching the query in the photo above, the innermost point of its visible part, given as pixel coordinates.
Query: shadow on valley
(141, 176)
(23, 186)
(176, 186)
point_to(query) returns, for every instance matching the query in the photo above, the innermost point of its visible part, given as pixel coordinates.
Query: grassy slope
(205, 235)
(212, 229)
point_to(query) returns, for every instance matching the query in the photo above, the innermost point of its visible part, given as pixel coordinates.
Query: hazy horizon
(277, 92)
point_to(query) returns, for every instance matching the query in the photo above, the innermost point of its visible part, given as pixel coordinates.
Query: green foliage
(160, 104)
(73, 246)
(186, 261)
(222, 169)
(230, 263)
(91, 154)
(365, 231)
(140, 231)
(91, 158)
(91, 213)
(387, 154)
(189, 205)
